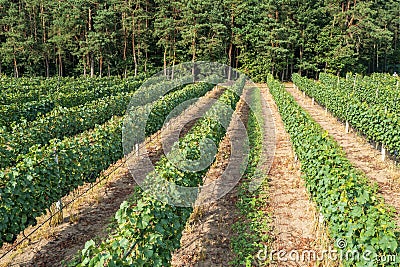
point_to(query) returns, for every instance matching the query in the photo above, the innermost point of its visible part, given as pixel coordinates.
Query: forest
(127, 37)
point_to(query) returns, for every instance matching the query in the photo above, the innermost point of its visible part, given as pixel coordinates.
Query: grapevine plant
(74, 93)
(251, 230)
(62, 122)
(148, 230)
(36, 181)
(346, 199)
(378, 89)
(376, 122)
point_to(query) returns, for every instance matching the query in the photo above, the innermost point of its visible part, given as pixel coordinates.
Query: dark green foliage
(260, 37)
(36, 181)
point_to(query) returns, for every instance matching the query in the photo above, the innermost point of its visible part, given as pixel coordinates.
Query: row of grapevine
(349, 204)
(59, 123)
(29, 111)
(374, 122)
(24, 90)
(379, 89)
(149, 230)
(37, 180)
(63, 122)
(250, 228)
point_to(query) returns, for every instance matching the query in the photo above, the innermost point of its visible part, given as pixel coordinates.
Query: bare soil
(361, 154)
(294, 225)
(206, 238)
(88, 217)
(292, 213)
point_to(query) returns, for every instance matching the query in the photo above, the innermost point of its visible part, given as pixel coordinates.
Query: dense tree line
(121, 37)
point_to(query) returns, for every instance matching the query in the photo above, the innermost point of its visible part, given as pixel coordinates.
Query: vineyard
(311, 175)
(191, 133)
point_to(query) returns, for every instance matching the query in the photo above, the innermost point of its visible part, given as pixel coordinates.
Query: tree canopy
(125, 37)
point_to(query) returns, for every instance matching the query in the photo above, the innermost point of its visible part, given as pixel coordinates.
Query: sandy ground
(362, 154)
(206, 238)
(293, 215)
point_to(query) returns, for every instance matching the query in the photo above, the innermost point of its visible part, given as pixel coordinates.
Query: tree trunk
(100, 66)
(231, 48)
(373, 60)
(194, 55)
(145, 61)
(16, 74)
(173, 65)
(165, 61)
(301, 58)
(91, 65)
(46, 59)
(237, 61)
(230, 61)
(125, 43)
(287, 69)
(134, 53)
(60, 64)
(134, 45)
(377, 57)
(84, 66)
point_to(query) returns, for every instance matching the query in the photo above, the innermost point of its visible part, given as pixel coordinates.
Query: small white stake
(383, 151)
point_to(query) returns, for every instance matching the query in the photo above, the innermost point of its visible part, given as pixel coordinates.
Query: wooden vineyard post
(56, 210)
(137, 149)
(383, 152)
(347, 127)
(338, 81)
(397, 94)
(312, 101)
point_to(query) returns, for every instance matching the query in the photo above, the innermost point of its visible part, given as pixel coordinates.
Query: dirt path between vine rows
(206, 238)
(293, 215)
(90, 215)
(361, 154)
